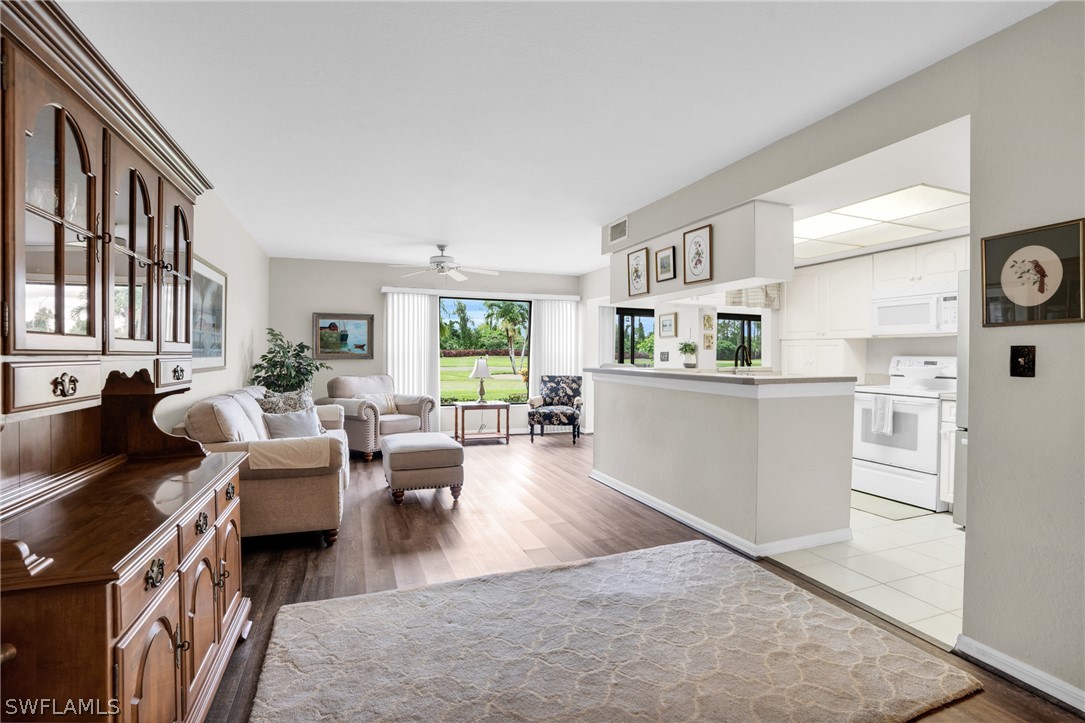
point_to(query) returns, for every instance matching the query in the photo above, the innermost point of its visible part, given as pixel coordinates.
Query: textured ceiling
(510, 131)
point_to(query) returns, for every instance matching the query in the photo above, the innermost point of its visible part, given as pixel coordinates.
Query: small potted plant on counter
(688, 350)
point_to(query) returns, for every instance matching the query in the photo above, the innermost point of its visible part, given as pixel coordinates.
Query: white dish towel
(881, 420)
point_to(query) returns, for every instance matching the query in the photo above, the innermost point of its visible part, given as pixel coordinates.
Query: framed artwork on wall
(637, 263)
(668, 325)
(342, 336)
(697, 255)
(665, 270)
(208, 317)
(1034, 276)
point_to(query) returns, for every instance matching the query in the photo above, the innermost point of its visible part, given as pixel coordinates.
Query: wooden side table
(460, 416)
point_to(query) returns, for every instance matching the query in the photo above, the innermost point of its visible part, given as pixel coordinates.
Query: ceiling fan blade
(487, 272)
(456, 275)
(414, 273)
(408, 266)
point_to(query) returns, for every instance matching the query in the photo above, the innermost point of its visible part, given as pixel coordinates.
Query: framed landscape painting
(668, 325)
(1034, 276)
(342, 336)
(208, 317)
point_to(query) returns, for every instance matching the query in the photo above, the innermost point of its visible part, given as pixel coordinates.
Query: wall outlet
(664, 356)
(1022, 361)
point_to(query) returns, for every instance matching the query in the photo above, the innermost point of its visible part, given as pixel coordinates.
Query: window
(497, 330)
(634, 337)
(733, 330)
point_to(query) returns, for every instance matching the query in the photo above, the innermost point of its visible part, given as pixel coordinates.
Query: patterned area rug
(680, 632)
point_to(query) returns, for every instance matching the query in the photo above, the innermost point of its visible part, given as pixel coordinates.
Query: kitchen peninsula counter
(759, 461)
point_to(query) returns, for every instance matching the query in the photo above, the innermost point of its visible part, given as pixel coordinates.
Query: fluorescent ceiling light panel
(827, 224)
(879, 234)
(813, 249)
(941, 220)
(905, 202)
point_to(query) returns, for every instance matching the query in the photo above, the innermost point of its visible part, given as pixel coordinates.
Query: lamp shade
(481, 370)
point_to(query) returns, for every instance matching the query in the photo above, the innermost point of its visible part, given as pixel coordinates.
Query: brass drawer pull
(178, 373)
(64, 385)
(155, 575)
(231, 491)
(201, 523)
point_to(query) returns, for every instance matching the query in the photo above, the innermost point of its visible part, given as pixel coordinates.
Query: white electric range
(897, 431)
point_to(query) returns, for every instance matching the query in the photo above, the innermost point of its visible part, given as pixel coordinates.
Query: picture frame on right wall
(697, 255)
(668, 325)
(1034, 276)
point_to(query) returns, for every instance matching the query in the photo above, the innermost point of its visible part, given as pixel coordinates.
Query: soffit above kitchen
(510, 131)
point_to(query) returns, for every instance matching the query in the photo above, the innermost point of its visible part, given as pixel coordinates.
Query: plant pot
(689, 361)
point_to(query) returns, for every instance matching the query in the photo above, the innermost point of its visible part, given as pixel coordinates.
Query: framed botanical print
(697, 255)
(1034, 276)
(637, 263)
(665, 270)
(668, 325)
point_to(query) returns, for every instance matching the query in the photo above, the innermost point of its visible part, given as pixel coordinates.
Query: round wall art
(697, 254)
(1031, 275)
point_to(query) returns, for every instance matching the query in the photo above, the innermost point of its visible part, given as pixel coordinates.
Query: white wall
(300, 287)
(1024, 91)
(594, 289)
(221, 241)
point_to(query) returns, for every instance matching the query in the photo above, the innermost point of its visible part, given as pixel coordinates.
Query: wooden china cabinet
(120, 545)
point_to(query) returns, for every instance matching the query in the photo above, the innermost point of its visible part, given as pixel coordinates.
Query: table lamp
(481, 372)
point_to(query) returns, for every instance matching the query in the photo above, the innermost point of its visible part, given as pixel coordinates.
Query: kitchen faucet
(742, 357)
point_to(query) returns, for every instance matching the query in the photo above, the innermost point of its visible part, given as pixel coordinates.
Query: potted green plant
(285, 366)
(688, 350)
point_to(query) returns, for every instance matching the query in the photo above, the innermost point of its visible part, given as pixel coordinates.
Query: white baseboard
(719, 534)
(1023, 672)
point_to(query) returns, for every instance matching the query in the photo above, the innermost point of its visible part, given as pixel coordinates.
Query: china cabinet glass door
(175, 262)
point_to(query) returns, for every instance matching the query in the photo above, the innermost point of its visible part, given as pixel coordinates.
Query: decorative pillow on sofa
(280, 403)
(385, 401)
(304, 423)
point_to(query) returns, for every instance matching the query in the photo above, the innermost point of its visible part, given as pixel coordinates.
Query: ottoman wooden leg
(330, 536)
(397, 496)
(456, 489)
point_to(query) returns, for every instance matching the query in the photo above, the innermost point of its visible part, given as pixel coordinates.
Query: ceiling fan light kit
(443, 265)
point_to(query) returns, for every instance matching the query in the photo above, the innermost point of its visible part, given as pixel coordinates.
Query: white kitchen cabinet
(829, 301)
(823, 357)
(926, 264)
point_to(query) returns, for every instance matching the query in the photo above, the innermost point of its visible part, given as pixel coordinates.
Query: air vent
(618, 230)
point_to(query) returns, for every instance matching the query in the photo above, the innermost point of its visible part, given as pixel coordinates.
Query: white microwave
(915, 310)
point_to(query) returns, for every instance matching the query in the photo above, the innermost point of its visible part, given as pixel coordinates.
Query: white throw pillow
(385, 401)
(293, 424)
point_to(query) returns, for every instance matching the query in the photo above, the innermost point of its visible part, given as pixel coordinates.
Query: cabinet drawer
(171, 372)
(197, 525)
(226, 493)
(143, 580)
(32, 385)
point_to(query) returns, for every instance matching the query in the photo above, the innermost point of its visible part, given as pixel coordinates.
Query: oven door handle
(901, 401)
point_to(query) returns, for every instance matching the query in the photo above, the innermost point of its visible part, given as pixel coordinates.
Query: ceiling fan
(444, 265)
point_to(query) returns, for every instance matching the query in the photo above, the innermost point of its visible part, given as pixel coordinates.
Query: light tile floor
(910, 571)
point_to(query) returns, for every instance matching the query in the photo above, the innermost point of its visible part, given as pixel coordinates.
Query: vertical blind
(411, 342)
(554, 338)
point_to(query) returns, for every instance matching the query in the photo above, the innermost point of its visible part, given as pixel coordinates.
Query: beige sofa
(287, 485)
(367, 420)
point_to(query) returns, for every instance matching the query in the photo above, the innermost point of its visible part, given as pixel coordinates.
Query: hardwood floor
(523, 505)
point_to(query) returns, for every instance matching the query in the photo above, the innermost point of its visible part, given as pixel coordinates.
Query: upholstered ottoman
(423, 460)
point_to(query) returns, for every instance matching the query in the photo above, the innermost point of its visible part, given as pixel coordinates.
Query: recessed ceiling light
(827, 224)
(905, 202)
(812, 249)
(878, 234)
(941, 220)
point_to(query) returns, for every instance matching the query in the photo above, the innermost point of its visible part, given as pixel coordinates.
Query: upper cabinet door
(51, 255)
(131, 269)
(175, 263)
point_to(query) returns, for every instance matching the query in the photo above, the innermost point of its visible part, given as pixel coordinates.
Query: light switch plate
(664, 356)
(1022, 361)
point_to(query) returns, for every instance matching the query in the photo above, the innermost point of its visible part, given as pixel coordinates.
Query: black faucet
(742, 357)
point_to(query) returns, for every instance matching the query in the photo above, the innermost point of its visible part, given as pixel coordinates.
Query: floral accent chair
(559, 403)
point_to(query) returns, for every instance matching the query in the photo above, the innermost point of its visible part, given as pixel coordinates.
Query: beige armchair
(373, 410)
